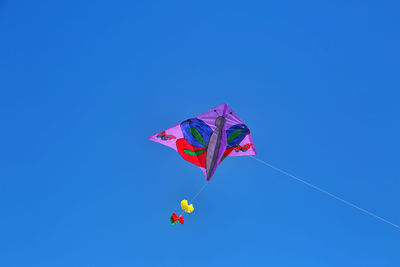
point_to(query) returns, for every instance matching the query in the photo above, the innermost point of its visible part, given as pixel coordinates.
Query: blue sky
(83, 83)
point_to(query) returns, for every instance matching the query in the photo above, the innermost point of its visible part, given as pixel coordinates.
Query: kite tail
(196, 195)
(186, 207)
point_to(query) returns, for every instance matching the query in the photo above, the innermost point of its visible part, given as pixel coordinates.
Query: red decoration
(176, 218)
(184, 148)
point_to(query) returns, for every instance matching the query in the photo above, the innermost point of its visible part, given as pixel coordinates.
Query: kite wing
(209, 138)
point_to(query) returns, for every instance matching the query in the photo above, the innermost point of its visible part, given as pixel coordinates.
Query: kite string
(326, 192)
(198, 193)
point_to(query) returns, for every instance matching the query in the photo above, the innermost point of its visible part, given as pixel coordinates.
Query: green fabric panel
(194, 152)
(197, 135)
(234, 135)
(223, 157)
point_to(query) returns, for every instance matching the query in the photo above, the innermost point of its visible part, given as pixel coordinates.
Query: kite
(207, 140)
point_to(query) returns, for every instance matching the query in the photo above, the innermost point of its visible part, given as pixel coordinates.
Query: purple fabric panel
(232, 119)
(251, 151)
(221, 110)
(175, 131)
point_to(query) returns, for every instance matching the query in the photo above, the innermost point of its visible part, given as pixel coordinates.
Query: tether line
(198, 193)
(327, 193)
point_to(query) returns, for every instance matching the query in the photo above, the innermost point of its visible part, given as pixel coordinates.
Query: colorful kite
(206, 140)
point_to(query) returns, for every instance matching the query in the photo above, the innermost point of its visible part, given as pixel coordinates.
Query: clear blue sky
(83, 83)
